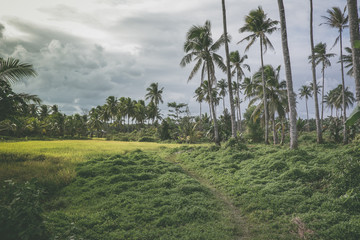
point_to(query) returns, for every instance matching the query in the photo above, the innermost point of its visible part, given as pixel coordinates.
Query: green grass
(313, 191)
(53, 162)
(136, 196)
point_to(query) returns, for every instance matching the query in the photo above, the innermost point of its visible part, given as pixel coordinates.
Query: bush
(21, 212)
(147, 139)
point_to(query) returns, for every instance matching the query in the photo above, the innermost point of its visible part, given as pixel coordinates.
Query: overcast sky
(87, 50)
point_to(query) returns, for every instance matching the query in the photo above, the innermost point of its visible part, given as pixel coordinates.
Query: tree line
(201, 48)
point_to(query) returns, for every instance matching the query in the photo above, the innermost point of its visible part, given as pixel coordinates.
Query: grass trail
(241, 231)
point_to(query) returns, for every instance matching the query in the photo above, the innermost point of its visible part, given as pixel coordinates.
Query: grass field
(53, 162)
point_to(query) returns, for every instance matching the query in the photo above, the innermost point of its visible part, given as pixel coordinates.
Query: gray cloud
(142, 46)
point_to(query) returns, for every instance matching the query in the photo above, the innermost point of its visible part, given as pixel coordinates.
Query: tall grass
(53, 162)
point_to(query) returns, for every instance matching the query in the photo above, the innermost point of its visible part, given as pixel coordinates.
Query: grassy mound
(311, 193)
(136, 196)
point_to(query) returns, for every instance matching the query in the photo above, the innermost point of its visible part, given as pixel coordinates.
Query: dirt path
(241, 230)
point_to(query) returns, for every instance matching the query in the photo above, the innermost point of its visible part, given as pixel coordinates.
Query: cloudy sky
(87, 50)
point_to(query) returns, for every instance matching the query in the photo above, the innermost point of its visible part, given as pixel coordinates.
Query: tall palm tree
(237, 65)
(289, 84)
(154, 94)
(259, 25)
(354, 38)
(338, 19)
(222, 85)
(323, 58)
(315, 87)
(201, 48)
(228, 71)
(306, 92)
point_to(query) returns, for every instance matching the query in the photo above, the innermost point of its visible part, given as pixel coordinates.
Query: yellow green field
(55, 161)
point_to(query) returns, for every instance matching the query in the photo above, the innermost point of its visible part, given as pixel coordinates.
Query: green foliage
(136, 196)
(254, 131)
(21, 212)
(314, 190)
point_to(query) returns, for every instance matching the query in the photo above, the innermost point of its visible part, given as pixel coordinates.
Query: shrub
(21, 212)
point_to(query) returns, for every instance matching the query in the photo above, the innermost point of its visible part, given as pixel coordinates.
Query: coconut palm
(289, 84)
(315, 87)
(259, 25)
(228, 71)
(337, 19)
(275, 91)
(201, 48)
(306, 92)
(237, 65)
(323, 58)
(354, 37)
(199, 95)
(222, 85)
(12, 70)
(154, 94)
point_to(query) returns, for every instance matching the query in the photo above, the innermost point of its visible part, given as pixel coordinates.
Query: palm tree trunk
(266, 113)
(307, 115)
(232, 106)
(275, 137)
(322, 93)
(224, 103)
(216, 130)
(345, 140)
(355, 36)
(289, 83)
(313, 67)
(239, 109)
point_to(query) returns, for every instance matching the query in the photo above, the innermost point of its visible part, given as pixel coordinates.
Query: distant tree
(338, 19)
(201, 48)
(237, 65)
(259, 25)
(222, 86)
(154, 94)
(306, 92)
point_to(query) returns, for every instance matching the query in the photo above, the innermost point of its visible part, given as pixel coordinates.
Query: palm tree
(237, 64)
(315, 87)
(228, 71)
(276, 95)
(337, 19)
(222, 85)
(259, 25)
(12, 70)
(289, 83)
(199, 95)
(201, 48)
(354, 37)
(321, 56)
(111, 108)
(306, 92)
(154, 94)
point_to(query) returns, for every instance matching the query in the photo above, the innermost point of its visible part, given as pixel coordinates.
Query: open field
(53, 162)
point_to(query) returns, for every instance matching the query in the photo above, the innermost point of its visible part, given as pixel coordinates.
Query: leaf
(354, 116)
